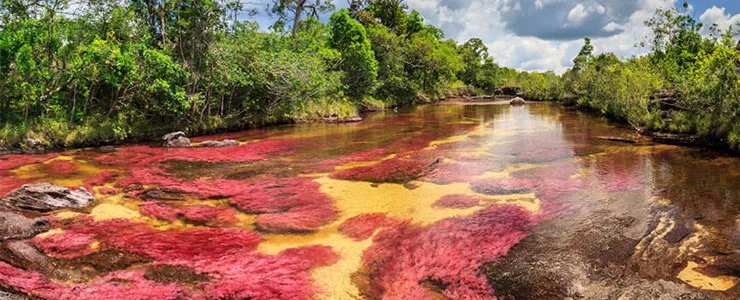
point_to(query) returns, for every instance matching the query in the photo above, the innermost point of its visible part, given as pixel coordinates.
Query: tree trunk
(298, 11)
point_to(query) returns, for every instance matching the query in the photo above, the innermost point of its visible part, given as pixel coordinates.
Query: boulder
(34, 143)
(517, 101)
(15, 226)
(176, 140)
(44, 197)
(216, 144)
(173, 135)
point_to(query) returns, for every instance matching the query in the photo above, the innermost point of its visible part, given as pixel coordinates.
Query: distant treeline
(687, 84)
(101, 71)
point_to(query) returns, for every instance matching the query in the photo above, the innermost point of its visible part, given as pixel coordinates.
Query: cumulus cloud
(544, 34)
(718, 17)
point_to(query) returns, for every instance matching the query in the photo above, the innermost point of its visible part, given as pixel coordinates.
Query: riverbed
(460, 201)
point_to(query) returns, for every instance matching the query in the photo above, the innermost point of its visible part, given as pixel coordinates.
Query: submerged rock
(617, 139)
(44, 197)
(517, 101)
(15, 226)
(106, 149)
(217, 144)
(176, 140)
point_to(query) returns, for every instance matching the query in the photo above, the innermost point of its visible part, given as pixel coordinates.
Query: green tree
(358, 59)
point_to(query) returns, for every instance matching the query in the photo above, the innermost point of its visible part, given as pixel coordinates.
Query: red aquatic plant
(363, 226)
(9, 162)
(393, 170)
(188, 244)
(315, 256)
(457, 201)
(298, 219)
(9, 184)
(108, 191)
(99, 179)
(67, 244)
(59, 168)
(210, 216)
(502, 186)
(405, 260)
(116, 285)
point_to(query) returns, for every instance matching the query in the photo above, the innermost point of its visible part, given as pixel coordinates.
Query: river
(462, 201)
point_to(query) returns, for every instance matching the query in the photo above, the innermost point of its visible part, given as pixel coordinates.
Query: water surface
(450, 201)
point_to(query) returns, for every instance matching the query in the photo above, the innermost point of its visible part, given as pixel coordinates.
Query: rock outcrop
(218, 144)
(15, 226)
(44, 197)
(176, 140)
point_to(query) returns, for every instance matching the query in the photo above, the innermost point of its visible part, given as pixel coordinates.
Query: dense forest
(102, 71)
(106, 71)
(687, 84)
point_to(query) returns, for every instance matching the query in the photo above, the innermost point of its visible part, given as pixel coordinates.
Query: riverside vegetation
(97, 72)
(104, 71)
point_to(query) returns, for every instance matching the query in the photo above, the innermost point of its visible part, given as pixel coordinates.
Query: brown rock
(15, 226)
(44, 197)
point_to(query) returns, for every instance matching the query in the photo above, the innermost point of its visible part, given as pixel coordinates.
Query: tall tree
(294, 9)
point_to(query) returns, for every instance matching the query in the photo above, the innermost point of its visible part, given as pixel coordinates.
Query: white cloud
(615, 26)
(719, 17)
(577, 14)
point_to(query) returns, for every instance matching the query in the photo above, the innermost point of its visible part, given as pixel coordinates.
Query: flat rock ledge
(45, 197)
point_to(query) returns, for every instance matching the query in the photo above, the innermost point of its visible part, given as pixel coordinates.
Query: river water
(461, 201)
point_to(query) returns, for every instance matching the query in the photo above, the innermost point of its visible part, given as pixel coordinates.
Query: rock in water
(173, 135)
(217, 144)
(44, 197)
(15, 226)
(517, 101)
(105, 149)
(176, 140)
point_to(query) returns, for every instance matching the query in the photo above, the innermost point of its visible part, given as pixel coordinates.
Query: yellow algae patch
(64, 215)
(106, 211)
(84, 171)
(704, 282)
(356, 164)
(355, 198)
(334, 280)
(50, 232)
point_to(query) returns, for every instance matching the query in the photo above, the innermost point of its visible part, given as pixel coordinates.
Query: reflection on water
(532, 181)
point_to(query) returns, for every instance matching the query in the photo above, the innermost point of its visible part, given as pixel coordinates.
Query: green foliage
(358, 59)
(703, 71)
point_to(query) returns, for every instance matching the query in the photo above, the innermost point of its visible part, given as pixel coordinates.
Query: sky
(546, 34)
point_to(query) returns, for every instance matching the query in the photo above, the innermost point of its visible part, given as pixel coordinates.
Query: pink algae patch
(9, 162)
(66, 244)
(8, 184)
(227, 256)
(188, 244)
(133, 157)
(210, 216)
(364, 226)
(284, 204)
(116, 285)
(315, 256)
(393, 170)
(407, 261)
(59, 168)
(457, 201)
(99, 179)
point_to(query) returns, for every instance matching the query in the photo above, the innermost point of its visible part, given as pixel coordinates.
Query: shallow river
(440, 202)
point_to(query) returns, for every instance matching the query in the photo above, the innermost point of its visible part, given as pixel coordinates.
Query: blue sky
(547, 34)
